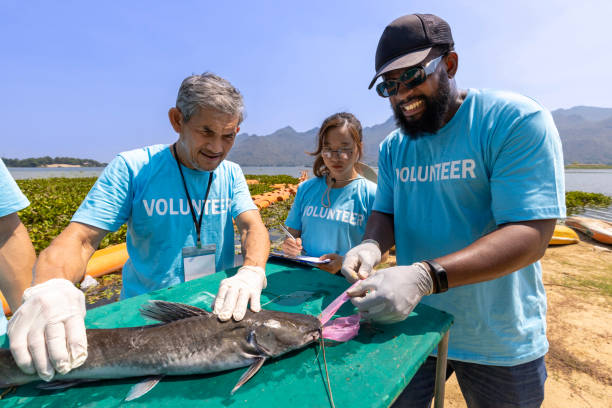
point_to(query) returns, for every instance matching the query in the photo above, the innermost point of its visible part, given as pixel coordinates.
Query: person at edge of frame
(178, 202)
(17, 254)
(469, 188)
(330, 210)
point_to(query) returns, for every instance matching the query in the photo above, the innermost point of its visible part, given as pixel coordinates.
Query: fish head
(276, 333)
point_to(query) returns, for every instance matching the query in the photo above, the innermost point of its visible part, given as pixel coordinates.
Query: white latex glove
(360, 260)
(235, 293)
(47, 332)
(389, 295)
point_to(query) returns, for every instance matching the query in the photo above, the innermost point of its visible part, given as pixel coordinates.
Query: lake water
(592, 181)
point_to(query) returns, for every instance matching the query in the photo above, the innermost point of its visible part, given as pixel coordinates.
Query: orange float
(283, 192)
(107, 260)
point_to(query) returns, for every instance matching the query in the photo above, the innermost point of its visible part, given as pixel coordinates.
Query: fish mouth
(312, 337)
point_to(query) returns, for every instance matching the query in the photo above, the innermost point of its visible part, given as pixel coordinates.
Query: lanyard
(197, 222)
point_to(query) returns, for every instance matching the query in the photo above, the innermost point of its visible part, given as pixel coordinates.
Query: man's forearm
(503, 251)
(17, 258)
(67, 255)
(380, 229)
(255, 246)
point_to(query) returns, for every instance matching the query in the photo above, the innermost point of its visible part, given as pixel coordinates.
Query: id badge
(198, 262)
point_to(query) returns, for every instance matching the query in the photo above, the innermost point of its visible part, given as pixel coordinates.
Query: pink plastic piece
(342, 328)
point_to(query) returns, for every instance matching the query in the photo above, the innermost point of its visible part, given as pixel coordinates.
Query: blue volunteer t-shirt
(11, 200)
(335, 229)
(143, 188)
(498, 160)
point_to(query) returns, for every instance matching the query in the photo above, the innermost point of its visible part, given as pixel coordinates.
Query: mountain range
(586, 134)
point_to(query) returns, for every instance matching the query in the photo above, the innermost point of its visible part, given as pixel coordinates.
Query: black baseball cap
(408, 40)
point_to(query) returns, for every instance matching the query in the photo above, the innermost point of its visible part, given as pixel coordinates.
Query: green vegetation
(107, 291)
(54, 201)
(588, 166)
(576, 201)
(43, 161)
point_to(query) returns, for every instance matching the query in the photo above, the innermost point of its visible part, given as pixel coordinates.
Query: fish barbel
(189, 340)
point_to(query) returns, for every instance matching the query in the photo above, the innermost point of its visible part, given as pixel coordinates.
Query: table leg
(441, 371)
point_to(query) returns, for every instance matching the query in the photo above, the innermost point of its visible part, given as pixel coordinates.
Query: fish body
(189, 340)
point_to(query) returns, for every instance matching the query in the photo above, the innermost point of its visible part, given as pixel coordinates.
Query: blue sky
(90, 79)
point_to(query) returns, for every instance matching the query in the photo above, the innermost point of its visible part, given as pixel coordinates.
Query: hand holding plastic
(47, 332)
(389, 295)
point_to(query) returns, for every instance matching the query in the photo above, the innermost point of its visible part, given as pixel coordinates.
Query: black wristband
(440, 274)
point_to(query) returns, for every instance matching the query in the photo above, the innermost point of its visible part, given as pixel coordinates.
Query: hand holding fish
(47, 332)
(360, 260)
(389, 295)
(236, 292)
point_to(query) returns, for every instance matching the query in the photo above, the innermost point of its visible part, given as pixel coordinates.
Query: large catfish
(189, 340)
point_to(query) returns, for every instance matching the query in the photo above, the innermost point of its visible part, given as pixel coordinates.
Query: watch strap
(441, 283)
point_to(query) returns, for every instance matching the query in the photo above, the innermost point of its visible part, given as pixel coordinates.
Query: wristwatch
(439, 273)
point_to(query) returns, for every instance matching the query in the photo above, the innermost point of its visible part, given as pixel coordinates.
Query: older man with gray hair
(178, 202)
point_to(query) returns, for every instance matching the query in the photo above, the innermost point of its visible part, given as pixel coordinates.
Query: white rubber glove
(360, 260)
(235, 292)
(389, 295)
(47, 332)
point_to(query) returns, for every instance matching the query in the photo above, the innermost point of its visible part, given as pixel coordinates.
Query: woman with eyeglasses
(330, 211)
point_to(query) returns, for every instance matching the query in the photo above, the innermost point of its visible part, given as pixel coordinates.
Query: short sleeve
(11, 199)
(527, 180)
(242, 200)
(294, 218)
(371, 196)
(384, 191)
(108, 204)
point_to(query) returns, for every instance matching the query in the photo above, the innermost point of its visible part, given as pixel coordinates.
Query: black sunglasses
(410, 78)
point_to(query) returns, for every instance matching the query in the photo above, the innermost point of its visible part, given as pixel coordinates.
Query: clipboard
(300, 259)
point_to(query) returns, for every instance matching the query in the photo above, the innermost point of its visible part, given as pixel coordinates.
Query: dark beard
(432, 119)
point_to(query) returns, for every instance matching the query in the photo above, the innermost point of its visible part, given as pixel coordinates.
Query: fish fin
(253, 369)
(261, 349)
(167, 312)
(61, 384)
(140, 389)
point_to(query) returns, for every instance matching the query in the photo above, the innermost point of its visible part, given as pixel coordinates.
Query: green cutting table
(368, 371)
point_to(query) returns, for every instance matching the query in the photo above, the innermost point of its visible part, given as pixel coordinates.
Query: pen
(287, 233)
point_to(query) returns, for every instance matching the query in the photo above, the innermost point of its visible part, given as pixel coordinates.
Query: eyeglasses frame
(424, 71)
(338, 152)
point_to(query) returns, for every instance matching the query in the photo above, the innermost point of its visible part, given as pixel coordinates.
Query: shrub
(575, 201)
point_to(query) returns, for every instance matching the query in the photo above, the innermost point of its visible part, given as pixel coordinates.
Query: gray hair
(209, 91)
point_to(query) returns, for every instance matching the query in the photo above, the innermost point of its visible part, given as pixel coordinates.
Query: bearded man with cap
(469, 189)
